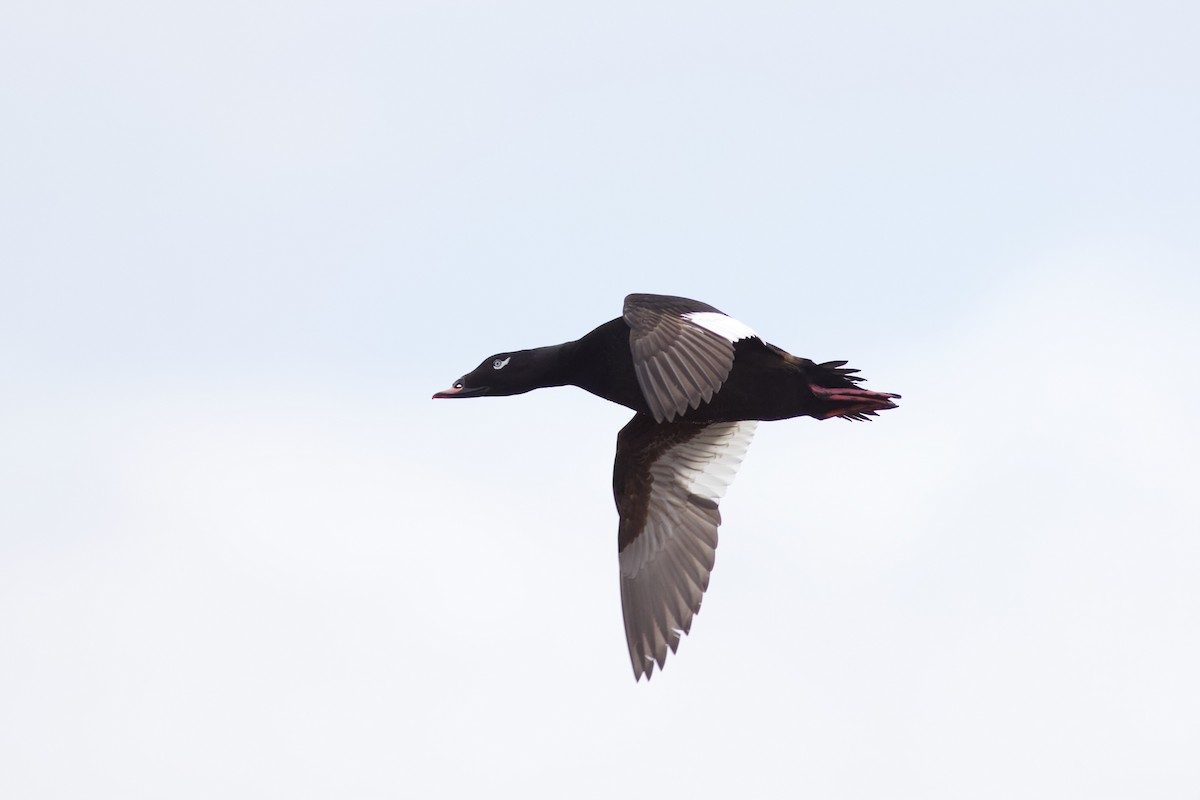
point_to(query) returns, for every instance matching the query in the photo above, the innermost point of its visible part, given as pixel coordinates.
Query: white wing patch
(705, 466)
(688, 482)
(720, 324)
(665, 569)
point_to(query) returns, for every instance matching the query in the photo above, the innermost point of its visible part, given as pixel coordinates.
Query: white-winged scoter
(699, 381)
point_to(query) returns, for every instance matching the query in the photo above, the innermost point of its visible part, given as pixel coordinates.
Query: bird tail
(833, 386)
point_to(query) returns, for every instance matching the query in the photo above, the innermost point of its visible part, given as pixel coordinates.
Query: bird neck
(553, 365)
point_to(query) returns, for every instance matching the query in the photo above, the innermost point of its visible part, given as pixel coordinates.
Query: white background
(242, 554)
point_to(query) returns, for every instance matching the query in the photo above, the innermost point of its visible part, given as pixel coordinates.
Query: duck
(698, 382)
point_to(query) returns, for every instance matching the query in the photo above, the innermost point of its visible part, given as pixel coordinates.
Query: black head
(499, 375)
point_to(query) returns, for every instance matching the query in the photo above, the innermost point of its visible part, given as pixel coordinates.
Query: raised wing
(667, 480)
(682, 350)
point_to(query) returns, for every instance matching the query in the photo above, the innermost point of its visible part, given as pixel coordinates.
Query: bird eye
(498, 364)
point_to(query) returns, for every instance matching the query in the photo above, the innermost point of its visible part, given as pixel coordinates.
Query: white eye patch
(498, 364)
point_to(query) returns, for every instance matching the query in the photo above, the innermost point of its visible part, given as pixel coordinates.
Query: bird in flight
(698, 381)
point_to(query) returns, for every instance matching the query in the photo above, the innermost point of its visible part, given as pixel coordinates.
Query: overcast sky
(242, 554)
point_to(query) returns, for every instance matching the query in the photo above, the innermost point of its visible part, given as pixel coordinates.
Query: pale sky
(243, 554)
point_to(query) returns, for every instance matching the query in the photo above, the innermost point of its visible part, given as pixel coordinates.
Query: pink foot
(853, 402)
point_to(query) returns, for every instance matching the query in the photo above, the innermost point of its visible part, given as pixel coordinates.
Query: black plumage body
(698, 382)
(765, 383)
